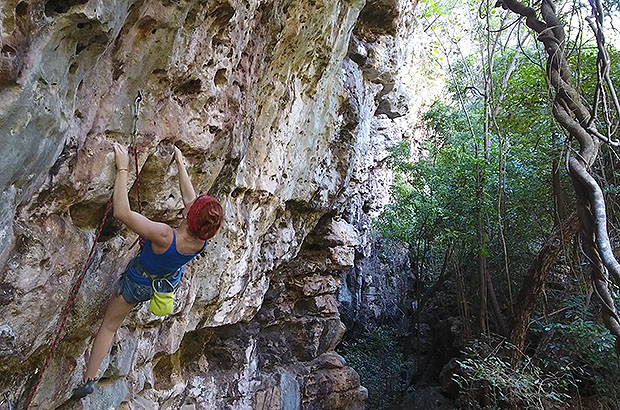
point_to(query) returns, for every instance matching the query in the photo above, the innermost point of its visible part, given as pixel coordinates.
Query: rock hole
(88, 215)
(236, 192)
(146, 25)
(117, 71)
(79, 47)
(189, 87)
(377, 18)
(238, 85)
(223, 15)
(99, 39)
(72, 68)
(110, 229)
(220, 77)
(7, 293)
(22, 9)
(84, 24)
(213, 129)
(163, 373)
(191, 17)
(8, 51)
(359, 59)
(210, 63)
(78, 114)
(233, 104)
(61, 6)
(56, 167)
(45, 264)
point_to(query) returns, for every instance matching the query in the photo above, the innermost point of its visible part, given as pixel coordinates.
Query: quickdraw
(134, 151)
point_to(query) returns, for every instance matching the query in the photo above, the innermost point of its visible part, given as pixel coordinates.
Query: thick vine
(581, 125)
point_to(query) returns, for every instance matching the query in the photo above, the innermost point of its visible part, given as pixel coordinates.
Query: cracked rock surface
(285, 111)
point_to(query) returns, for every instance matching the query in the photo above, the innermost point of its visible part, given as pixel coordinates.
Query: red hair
(205, 217)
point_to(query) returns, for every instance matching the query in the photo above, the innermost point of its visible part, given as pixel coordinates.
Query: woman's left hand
(178, 156)
(122, 156)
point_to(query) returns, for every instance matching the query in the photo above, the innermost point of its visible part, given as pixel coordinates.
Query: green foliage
(436, 199)
(483, 371)
(610, 7)
(445, 197)
(377, 358)
(438, 7)
(586, 347)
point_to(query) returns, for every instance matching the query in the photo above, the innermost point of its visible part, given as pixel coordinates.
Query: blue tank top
(169, 261)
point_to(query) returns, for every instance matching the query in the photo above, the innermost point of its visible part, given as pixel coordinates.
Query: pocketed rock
(277, 116)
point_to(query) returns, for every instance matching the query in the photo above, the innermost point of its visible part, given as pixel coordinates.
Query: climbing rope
(69, 306)
(78, 284)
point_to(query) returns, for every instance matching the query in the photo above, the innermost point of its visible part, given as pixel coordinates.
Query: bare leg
(114, 315)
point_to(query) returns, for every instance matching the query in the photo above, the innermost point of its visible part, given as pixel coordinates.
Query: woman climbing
(160, 264)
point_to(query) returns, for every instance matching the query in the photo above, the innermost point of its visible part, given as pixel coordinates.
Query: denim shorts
(134, 292)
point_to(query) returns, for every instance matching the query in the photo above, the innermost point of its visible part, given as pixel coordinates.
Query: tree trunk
(534, 280)
(559, 207)
(482, 277)
(502, 329)
(462, 300)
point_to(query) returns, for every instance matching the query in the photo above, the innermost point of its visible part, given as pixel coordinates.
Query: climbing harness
(78, 284)
(7, 401)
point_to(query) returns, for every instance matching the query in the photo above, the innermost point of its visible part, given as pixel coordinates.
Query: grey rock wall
(284, 111)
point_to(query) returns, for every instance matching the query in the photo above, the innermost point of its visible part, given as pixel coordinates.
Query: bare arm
(159, 233)
(187, 189)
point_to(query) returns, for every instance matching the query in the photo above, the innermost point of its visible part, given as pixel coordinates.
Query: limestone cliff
(284, 110)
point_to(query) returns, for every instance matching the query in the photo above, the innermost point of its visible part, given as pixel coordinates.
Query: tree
(581, 125)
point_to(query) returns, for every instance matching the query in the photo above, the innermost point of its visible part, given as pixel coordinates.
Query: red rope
(69, 306)
(134, 150)
(78, 284)
(135, 157)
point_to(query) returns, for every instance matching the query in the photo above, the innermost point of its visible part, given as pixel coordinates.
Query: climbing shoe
(83, 389)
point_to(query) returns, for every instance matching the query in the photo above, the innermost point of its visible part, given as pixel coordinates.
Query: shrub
(589, 348)
(377, 357)
(485, 376)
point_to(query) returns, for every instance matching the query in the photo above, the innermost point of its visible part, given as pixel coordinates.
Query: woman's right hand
(122, 156)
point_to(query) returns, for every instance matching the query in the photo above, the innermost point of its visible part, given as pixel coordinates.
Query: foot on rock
(83, 389)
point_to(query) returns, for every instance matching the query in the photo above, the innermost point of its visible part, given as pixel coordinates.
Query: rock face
(284, 111)
(378, 289)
